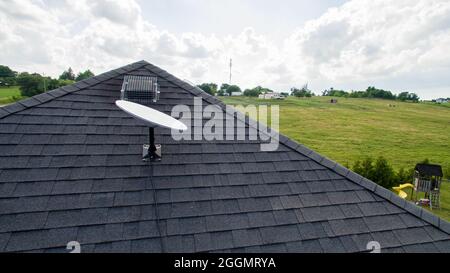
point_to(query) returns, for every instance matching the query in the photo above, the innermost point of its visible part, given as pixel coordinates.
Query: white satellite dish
(153, 118)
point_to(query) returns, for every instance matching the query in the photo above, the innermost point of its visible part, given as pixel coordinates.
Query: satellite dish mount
(151, 151)
(152, 118)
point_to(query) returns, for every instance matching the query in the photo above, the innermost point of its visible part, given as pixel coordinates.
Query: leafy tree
(254, 92)
(54, 83)
(5, 72)
(334, 93)
(372, 92)
(8, 81)
(233, 88)
(228, 89)
(84, 75)
(33, 84)
(7, 76)
(404, 176)
(67, 75)
(210, 88)
(30, 84)
(403, 96)
(383, 173)
(223, 89)
(413, 97)
(364, 168)
(300, 93)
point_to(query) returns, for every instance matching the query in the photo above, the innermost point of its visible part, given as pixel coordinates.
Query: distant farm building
(442, 100)
(271, 96)
(236, 93)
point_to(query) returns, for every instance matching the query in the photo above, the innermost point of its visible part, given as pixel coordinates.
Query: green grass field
(355, 128)
(9, 95)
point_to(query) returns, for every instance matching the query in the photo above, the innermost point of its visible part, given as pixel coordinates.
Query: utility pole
(231, 65)
(45, 83)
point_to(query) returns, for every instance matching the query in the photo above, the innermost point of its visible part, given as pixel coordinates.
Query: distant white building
(442, 100)
(236, 93)
(271, 96)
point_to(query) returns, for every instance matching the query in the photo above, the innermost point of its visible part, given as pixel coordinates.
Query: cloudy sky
(401, 45)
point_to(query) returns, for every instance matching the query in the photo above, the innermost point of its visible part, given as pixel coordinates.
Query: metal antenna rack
(140, 89)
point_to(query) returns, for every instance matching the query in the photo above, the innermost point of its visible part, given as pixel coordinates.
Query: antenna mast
(45, 83)
(231, 65)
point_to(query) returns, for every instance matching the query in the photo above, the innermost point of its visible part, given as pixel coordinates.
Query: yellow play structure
(427, 180)
(400, 189)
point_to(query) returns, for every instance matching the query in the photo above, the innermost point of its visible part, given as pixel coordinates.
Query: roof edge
(64, 90)
(382, 192)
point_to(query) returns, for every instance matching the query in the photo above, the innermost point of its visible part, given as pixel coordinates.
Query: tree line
(372, 92)
(227, 90)
(34, 83)
(381, 172)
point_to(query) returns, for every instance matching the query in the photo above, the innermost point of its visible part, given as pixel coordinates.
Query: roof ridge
(64, 90)
(380, 191)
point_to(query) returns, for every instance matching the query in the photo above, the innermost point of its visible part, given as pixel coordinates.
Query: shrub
(379, 171)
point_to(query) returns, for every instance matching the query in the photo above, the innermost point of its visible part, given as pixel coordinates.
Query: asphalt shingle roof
(71, 170)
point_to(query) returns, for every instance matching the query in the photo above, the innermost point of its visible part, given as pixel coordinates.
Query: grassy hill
(355, 128)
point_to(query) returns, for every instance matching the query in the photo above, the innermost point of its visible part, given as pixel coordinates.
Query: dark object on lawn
(333, 101)
(427, 179)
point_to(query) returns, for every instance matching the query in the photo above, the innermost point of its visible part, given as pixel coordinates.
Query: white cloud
(401, 45)
(374, 41)
(123, 12)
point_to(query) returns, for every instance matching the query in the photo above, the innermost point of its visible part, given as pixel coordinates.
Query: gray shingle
(310, 231)
(443, 246)
(348, 226)
(261, 219)
(412, 236)
(316, 199)
(386, 222)
(26, 240)
(283, 217)
(332, 245)
(91, 234)
(373, 208)
(421, 248)
(246, 237)
(351, 210)
(179, 244)
(222, 240)
(307, 246)
(123, 214)
(231, 221)
(343, 197)
(411, 220)
(146, 246)
(291, 201)
(279, 234)
(192, 225)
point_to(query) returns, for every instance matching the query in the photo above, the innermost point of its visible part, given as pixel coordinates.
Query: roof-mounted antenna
(231, 66)
(140, 89)
(153, 119)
